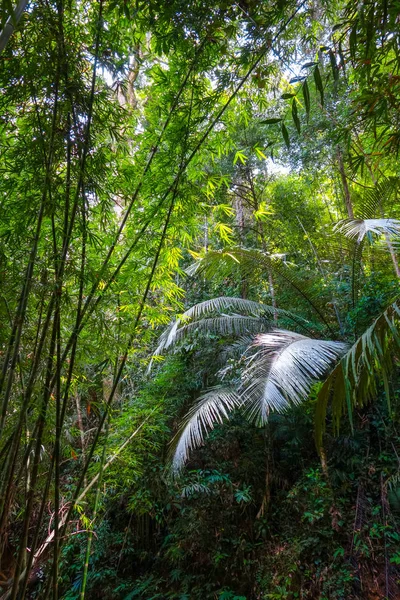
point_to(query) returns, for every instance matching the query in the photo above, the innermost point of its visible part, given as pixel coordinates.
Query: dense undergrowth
(253, 516)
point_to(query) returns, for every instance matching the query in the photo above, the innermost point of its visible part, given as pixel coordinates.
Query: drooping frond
(221, 303)
(254, 264)
(222, 262)
(252, 319)
(353, 382)
(358, 228)
(278, 375)
(212, 407)
(379, 198)
(225, 325)
(283, 369)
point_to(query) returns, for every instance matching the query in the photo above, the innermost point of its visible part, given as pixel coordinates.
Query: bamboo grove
(238, 158)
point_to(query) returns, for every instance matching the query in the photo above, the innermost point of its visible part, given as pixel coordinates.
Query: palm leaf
(354, 380)
(226, 325)
(255, 263)
(278, 376)
(379, 198)
(283, 369)
(212, 407)
(253, 320)
(359, 228)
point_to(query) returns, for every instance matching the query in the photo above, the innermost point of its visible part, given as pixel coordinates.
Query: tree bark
(346, 191)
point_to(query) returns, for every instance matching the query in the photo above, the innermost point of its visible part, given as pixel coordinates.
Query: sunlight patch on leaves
(282, 370)
(359, 228)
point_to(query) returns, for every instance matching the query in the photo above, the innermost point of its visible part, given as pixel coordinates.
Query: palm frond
(253, 319)
(242, 305)
(283, 369)
(195, 488)
(226, 325)
(212, 407)
(255, 263)
(354, 380)
(359, 228)
(379, 198)
(221, 262)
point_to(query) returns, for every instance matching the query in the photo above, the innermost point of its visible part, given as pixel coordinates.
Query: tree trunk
(346, 191)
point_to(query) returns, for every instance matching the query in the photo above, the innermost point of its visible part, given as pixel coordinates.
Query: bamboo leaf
(353, 42)
(271, 121)
(240, 156)
(295, 116)
(306, 96)
(285, 135)
(318, 83)
(334, 67)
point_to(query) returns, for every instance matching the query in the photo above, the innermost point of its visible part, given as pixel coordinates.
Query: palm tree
(281, 366)
(276, 374)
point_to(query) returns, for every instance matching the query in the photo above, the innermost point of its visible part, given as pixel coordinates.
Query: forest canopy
(200, 314)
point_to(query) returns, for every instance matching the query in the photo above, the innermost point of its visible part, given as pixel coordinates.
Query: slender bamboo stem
(11, 24)
(96, 505)
(53, 376)
(35, 467)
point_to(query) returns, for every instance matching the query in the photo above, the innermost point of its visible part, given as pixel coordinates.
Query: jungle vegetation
(199, 299)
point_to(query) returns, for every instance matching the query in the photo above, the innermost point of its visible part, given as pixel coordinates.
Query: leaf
(306, 96)
(358, 228)
(260, 153)
(283, 369)
(287, 96)
(240, 156)
(212, 407)
(353, 382)
(337, 26)
(341, 56)
(318, 83)
(295, 116)
(279, 374)
(334, 67)
(271, 121)
(309, 64)
(251, 318)
(285, 135)
(353, 42)
(262, 212)
(224, 231)
(253, 263)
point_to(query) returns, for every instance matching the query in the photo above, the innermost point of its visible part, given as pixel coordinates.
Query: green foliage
(259, 140)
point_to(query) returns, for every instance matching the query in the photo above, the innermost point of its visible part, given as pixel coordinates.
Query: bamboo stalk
(11, 24)
(96, 505)
(35, 467)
